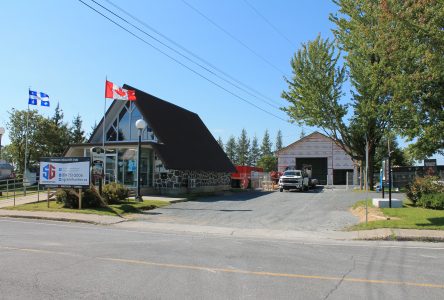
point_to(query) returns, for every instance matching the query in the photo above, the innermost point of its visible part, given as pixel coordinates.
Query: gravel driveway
(318, 210)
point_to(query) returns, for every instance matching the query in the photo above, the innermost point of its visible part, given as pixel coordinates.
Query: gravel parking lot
(316, 210)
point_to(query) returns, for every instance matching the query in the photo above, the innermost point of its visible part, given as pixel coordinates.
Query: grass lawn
(410, 217)
(128, 207)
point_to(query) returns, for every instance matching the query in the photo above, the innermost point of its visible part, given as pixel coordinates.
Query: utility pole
(366, 179)
(390, 173)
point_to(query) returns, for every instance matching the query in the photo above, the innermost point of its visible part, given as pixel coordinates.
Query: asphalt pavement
(55, 260)
(316, 210)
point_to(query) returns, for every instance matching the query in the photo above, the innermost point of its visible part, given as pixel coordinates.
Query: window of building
(124, 128)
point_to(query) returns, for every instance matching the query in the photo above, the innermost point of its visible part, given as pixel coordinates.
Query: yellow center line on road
(236, 271)
(270, 274)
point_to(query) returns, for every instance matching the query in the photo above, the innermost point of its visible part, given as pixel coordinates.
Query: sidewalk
(34, 197)
(127, 223)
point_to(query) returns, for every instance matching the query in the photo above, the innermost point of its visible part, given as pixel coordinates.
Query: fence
(13, 188)
(402, 176)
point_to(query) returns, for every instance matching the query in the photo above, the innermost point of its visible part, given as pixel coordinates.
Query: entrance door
(110, 168)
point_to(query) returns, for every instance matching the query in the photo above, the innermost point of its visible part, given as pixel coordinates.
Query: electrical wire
(235, 38)
(180, 63)
(265, 99)
(269, 23)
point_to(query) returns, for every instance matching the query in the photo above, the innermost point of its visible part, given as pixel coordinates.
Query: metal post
(26, 149)
(80, 198)
(14, 192)
(139, 150)
(366, 179)
(389, 172)
(47, 200)
(38, 191)
(346, 181)
(7, 188)
(390, 180)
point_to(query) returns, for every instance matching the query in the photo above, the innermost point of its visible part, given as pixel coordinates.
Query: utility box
(384, 203)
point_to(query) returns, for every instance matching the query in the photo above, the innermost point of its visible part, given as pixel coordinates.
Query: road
(318, 210)
(51, 260)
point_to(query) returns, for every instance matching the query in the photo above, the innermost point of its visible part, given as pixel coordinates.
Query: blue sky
(66, 50)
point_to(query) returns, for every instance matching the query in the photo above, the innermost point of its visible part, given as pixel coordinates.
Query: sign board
(73, 172)
(429, 162)
(430, 167)
(97, 155)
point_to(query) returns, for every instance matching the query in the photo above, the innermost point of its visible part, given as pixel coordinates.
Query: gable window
(124, 128)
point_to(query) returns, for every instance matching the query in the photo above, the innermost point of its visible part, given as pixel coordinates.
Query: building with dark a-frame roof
(179, 154)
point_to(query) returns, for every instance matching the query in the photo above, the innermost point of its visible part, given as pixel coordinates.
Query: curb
(61, 219)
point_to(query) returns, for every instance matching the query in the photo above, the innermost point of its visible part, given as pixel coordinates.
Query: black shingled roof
(185, 141)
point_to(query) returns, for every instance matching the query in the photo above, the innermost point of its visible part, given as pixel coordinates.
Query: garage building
(330, 163)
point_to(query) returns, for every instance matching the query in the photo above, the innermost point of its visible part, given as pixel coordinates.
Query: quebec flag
(34, 96)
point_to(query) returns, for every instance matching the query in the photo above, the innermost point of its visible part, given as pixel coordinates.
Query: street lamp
(140, 125)
(2, 132)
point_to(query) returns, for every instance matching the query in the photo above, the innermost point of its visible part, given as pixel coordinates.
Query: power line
(234, 38)
(251, 91)
(270, 24)
(180, 63)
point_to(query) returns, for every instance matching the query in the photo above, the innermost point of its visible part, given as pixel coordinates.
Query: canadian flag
(115, 92)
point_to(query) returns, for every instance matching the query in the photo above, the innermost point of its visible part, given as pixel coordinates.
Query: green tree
(77, 135)
(57, 135)
(93, 128)
(231, 151)
(279, 140)
(17, 128)
(255, 152)
(243, 147)
(57, 118)
(315, 91)
(410, 51)
(268, 163)
(302, 135)
(221, 143)
(398, 155)
(266, 145)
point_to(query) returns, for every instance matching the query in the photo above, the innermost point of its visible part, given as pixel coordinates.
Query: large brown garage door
(319, 167)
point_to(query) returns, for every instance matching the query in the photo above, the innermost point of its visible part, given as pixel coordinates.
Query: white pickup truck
(294, 180)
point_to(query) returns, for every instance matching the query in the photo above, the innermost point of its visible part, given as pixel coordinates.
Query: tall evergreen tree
(76, 131)
(243, 147)
(302, 135)
(57, 118)
(231, 151)
(221, 143)
(57, 133)
(255, 152)
(266, 145)
(278, 140)
(93, 128)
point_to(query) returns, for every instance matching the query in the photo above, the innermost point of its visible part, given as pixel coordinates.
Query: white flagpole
(103, 134)
(26, 146)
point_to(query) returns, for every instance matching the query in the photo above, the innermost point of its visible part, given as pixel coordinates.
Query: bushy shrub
(70, 200)
(67, 198)
(90, 198)
(115, 192)
(422, 186)
(434, 201)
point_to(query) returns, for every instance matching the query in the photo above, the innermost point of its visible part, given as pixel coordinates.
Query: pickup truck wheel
(281, 190)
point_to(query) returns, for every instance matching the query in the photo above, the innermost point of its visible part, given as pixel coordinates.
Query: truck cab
(294, 180)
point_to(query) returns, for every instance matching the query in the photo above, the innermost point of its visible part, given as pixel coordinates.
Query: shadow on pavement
(207, 209)
(239, 196)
